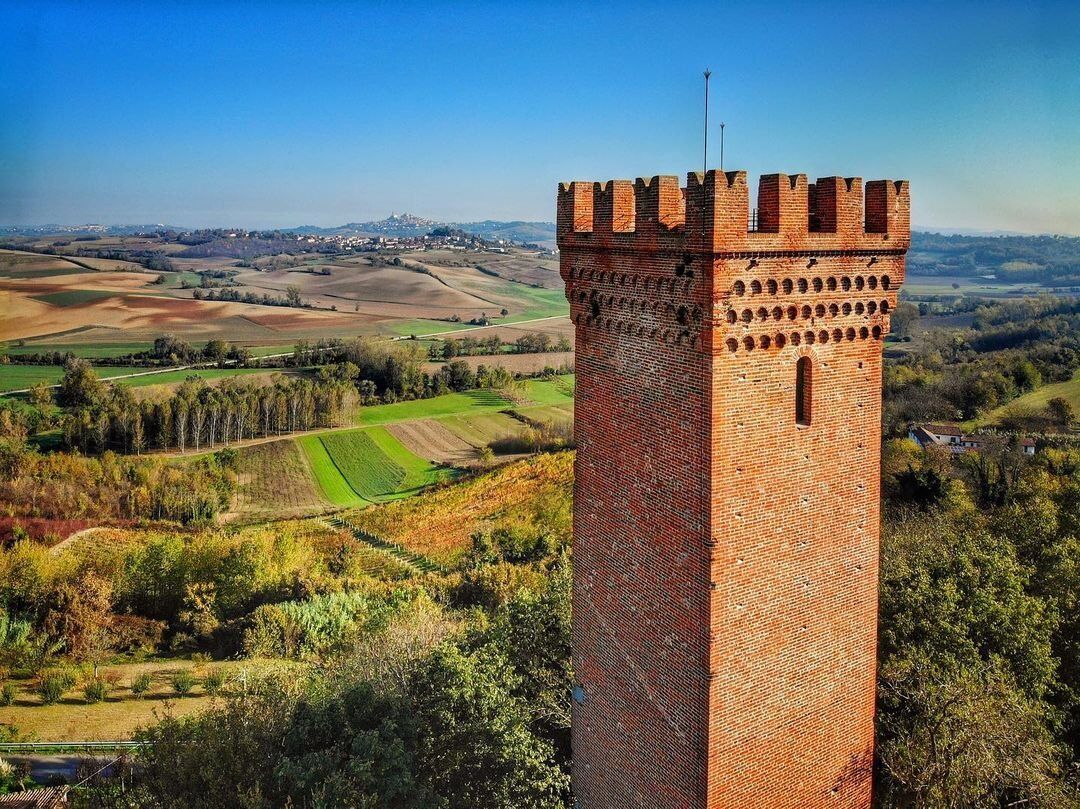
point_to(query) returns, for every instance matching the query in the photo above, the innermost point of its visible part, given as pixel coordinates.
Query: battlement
(712, 214)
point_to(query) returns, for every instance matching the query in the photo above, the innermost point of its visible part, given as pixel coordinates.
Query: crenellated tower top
(712, 214)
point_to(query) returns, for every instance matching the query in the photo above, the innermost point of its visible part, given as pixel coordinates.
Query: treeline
(1012, 348)
(150, 259)
(290, 298)
(534, 343)
(167, 350)
(198, 417)
(1043, 259)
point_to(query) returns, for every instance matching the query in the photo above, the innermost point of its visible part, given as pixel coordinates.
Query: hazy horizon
(236, 115)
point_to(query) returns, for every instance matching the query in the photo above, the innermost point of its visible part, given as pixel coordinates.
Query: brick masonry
(726, 556)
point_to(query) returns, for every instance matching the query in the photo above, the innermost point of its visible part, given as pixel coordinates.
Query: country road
(50, 768)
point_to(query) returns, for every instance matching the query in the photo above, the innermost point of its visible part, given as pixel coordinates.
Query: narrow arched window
(804, 384)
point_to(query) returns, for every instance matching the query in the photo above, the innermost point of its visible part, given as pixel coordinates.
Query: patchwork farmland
(397, 451)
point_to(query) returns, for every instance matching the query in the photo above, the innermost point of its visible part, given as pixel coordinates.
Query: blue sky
(278, 114)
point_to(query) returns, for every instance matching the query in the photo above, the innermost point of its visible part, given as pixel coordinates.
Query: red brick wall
(725, 557)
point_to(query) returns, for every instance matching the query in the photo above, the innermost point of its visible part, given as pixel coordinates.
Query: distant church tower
(726, 494)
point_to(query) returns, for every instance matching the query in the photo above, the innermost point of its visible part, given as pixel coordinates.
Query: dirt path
(478, 328)
(64, 544)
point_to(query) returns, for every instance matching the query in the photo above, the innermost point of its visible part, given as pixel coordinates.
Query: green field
(537, 302)
(1037, 399)
(367, 465)
(917, 286)
(170, 377)
(376, 465)
(74, 297)
(42, 272)
(17, 377)
(553, 413)
(333, 484)
(88, 350)
(558, 391)
(480, 429)
(421, 326)
(473, 401)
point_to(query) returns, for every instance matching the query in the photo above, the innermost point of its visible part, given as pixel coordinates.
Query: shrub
(307, 629)
(51, 688)
(141, 684)
(7, 695)
(95, 690)
(214, 680)
(183, 681)
(133, 633)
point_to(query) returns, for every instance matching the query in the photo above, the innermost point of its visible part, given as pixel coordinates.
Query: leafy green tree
(1060, 411)
(353, 748)
(80, 385)
(477, 748)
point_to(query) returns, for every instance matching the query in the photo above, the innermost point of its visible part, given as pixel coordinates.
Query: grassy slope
(474, 401)
(375, 465)
(1037, 399)
(354, 468)
(480, 429)
(439, 523)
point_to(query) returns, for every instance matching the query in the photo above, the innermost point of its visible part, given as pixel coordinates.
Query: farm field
(328, 477)
(376, 466)
(82, 301)
(429, 438)
(518, 363)
(275, 481)
(554, 413)
(400, 450)
(88, 351)
(480, 429)
(559, 390)
(917, 286)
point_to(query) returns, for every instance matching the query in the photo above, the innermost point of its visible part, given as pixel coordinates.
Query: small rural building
(44, 798)
(955, 440)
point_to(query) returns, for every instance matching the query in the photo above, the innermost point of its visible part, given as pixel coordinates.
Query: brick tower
(726, 486)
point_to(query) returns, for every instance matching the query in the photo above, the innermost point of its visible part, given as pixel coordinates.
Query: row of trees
(290, 298)
(167, 350)
(534, 343)
(199, 416)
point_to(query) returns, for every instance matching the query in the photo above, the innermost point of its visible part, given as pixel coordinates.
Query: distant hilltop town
(405, 226)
